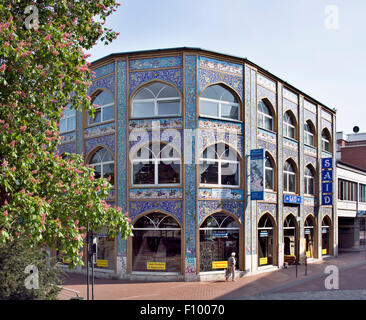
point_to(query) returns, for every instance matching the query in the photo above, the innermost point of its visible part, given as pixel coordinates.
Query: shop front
(265, 241)
(290, 239)
(219, 236)
(326, 236)
(309, 237)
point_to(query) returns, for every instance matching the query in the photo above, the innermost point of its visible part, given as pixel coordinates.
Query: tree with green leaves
(44, 197)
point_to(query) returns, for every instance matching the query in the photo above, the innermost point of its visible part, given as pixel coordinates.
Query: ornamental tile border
(95, 131)
(68, 137)
(173, 76)
(155, 63)
(105, 141)
(206, 208)
(237, 128)
(101, 71)
(225, 194)
(152, 193)
(266, 93)
(67, 147)
(266, 207)
(207, 138)
(172, 123)
(220, 65)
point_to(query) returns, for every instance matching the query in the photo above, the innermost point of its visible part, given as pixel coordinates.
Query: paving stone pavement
(281, 284)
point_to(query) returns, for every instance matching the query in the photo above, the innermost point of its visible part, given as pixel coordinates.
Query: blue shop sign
(327, 175)
(288, 198)
(263, 234)
(327, 199)
(327, 163)
(219, 234)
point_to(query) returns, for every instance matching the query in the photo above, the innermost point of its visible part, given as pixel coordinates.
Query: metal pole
(306, 265)
(92, 263)
(87, 262)
(296, 266)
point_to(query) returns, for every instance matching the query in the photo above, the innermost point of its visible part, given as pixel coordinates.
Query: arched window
(309, 237)
(67, 122)
(219, 237)
(156, 244)
(326, 236)
(156, 164)
(219, 102)
(105, 110)
(219, 165)
(156, 100)
(269, 173)
(326, 141)
(265, 116)
(309, 133)
(309, 180)
(103, 164)
(265, 240)
(289, 177)
(289, 126)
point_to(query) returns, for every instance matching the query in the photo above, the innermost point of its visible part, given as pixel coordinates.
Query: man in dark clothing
(230, 271)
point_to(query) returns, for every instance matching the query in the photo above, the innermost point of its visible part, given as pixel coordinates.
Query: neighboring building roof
(333, 110)
(346, 164)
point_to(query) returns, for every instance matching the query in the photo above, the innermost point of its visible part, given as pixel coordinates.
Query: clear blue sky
(297, 40)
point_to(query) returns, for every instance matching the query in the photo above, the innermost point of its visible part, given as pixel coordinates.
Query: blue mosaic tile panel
(221, 66)
(173, 76)
(206, 208)
(155, 63)
(153, 193)
(107, 141)
(68, 137)
(173, 207)
(67, 147)
(102, 71)
(171, 123)
(227, 126)
(263, 208)
(104, 83)
(266, 93)
(226, 194)
(103, 129)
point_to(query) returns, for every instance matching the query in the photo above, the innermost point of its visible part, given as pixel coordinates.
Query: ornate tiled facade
(190, 72)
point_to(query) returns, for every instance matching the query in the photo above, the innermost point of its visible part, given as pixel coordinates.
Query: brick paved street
(281, 284)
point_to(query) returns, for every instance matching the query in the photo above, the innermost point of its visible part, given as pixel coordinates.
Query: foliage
(47, 198)
(15, 256)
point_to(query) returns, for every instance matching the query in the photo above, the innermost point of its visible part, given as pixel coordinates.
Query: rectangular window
(143, 109)
(167, 108)
(269, 179)
(362, 193)
(228, 111)
(209, 108)
(209, 172)
(143, 173)
(230, 174)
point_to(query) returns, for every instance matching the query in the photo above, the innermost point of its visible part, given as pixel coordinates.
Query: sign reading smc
(327, 181)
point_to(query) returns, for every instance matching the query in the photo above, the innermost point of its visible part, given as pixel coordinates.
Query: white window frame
(155, 160)
(307, 179)
(66, 118)
(324, 142)
(287, 175)
(220, 103)
(156, 101)
(272, 170)
(287, 126)
(101, 108)
(101, 164)
(307, 134)
(264, 116)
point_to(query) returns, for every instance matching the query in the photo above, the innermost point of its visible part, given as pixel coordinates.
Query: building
(351, 171)
(351, 148)
(175, 130)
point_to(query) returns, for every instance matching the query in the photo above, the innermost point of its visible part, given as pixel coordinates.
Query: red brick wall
(355, 156)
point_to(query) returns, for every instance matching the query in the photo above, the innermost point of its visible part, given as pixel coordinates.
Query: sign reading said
(257, 157)
(156, 266)
(327, 181)
(289, 198)
(219, 264)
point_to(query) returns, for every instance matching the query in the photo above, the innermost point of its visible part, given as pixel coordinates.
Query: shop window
(269, 172)
(218, 102)
(309, 134)
(105, 110)
(104, 258)
(219, 165)
(265, 241)
(156, 164)
(309, 179)
(289, 125)
(290, 239)
(67, 122)
(325, 236)
(265, 116)
(156, 100)
(347, 190)
(103, 164)
(219, 237)
(309, 237)
(326, 141)
(156, 244)
(289, 177)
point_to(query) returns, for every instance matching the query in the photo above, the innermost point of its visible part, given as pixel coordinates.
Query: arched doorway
(326, 236)
(290, 239)
(219, 237)
(156, 244)
(265, 240)
(309, 237)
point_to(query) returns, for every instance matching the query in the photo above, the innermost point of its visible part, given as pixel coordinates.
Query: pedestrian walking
(230, 271)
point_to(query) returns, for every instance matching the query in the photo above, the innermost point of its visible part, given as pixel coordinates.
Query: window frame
(307, 179)
(66, 118)
(220, 162)
(272, 169)
(101, 109)
(155, 160)
(156, 101)
(287, 126)
(326, 138)
(286, 174)
(101, 164)
(308, 133)
(264, 116)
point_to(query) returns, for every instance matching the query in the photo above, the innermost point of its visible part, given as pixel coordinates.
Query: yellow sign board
(219, 264)
(308, 254)
(102, 263)
(263, 261)
(156, 266)
(324, 251)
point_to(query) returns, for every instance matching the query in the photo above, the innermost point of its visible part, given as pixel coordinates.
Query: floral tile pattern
(155, 63)
(107, 141)
(206, 208)
(152, 193)
(170, 123)
(102, 71)
(226, 194)
(236, 128)
(220, 66)
(99, 130)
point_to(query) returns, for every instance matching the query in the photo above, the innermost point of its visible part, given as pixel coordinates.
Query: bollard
(306, 265)
(296, 267)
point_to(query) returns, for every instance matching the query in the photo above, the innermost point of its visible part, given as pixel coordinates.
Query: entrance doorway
(265, 241)
(290, 239)
(309, 237)
(325, 236)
